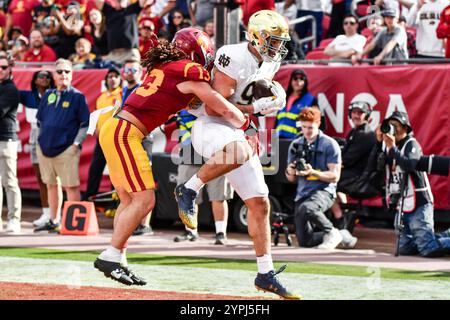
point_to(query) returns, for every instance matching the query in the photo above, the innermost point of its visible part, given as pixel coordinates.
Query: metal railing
(312, 37)
(383, 62)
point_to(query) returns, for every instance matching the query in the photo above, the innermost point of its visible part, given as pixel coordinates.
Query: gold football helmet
(268, 33)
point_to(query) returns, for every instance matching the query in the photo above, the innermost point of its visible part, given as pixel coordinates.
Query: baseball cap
(389, 13)
(147, 24)
(401, 117)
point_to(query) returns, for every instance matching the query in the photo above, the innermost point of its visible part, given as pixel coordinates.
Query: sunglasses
(129, 70)
(349, 23)
(299, 78)
(44, 75)
(177, 17)
(61, 71)
(4, 67)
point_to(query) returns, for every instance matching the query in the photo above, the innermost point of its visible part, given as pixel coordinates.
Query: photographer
(408, 190)
(314, 161)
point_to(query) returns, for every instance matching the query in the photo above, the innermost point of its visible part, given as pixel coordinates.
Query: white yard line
(219, 281)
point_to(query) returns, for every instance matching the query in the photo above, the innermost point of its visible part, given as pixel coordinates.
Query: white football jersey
(238, 63)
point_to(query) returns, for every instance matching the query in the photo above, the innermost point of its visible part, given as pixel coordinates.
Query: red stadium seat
(324, 43)
(312, 55)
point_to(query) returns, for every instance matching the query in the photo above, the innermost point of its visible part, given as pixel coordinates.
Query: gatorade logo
(79, 218)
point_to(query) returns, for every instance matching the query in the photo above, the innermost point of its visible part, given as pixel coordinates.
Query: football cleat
(50, 226)
(268, 282)
(221, 238)
(187, 235)
(187, 210)
(139, 281)
(114, 270)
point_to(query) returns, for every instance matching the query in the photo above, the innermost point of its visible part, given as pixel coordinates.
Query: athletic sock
(111, 254)
(265, 263)
(194, 183)
(123, 258)
(221, 226)
(46, 211)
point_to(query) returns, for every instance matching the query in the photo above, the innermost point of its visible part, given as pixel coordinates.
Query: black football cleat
(114, 270)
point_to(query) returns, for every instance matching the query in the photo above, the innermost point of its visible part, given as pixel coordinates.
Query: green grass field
(230, 264)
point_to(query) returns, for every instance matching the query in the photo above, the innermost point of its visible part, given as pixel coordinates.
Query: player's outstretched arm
(215, 101)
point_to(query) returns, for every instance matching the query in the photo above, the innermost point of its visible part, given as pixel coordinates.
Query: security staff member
(297, 98)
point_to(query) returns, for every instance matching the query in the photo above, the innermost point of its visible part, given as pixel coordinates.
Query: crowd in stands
(96, 33)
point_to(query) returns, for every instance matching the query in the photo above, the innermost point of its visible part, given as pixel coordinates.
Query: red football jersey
(158, 97)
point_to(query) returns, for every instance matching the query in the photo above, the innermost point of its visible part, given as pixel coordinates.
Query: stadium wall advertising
(421, 90)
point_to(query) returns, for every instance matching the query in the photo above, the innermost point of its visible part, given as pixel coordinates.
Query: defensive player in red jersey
(177, 76)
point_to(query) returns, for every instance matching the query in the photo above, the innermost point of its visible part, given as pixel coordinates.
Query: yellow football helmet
(268, 33)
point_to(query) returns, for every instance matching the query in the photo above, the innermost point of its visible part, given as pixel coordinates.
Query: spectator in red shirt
(39, 52)
(251, 6)
(147, 37)
(443, 29)
(20, 15)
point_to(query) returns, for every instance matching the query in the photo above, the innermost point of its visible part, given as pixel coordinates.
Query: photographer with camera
(314, 161)
(408, 191)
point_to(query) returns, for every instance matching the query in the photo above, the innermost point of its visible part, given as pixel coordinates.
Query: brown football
(261, 89)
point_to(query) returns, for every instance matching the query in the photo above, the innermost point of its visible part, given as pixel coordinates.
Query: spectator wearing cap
(443, 29)
(19, 48)
(392, 40)
(355, 154)
(19, 14)
(9, 102)
(63, 118)
(41, 81)
(297, 98)
(348, 44)
(39, 52)
(83, 53)
(425, 17)
(110, 97)
(121, 19)
(403, 152)
(147, 37)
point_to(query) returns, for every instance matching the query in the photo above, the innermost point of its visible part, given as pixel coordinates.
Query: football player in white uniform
(237, 67)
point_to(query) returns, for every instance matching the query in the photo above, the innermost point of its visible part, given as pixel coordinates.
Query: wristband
(246, 124)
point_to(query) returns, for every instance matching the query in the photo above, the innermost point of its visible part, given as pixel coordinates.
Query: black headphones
(362, 105)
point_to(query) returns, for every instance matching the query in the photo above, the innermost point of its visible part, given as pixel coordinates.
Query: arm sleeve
(410, 158)
(334, 153)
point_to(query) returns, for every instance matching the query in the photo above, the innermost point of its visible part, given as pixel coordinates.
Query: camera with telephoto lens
(387, 128)
(302, 155)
